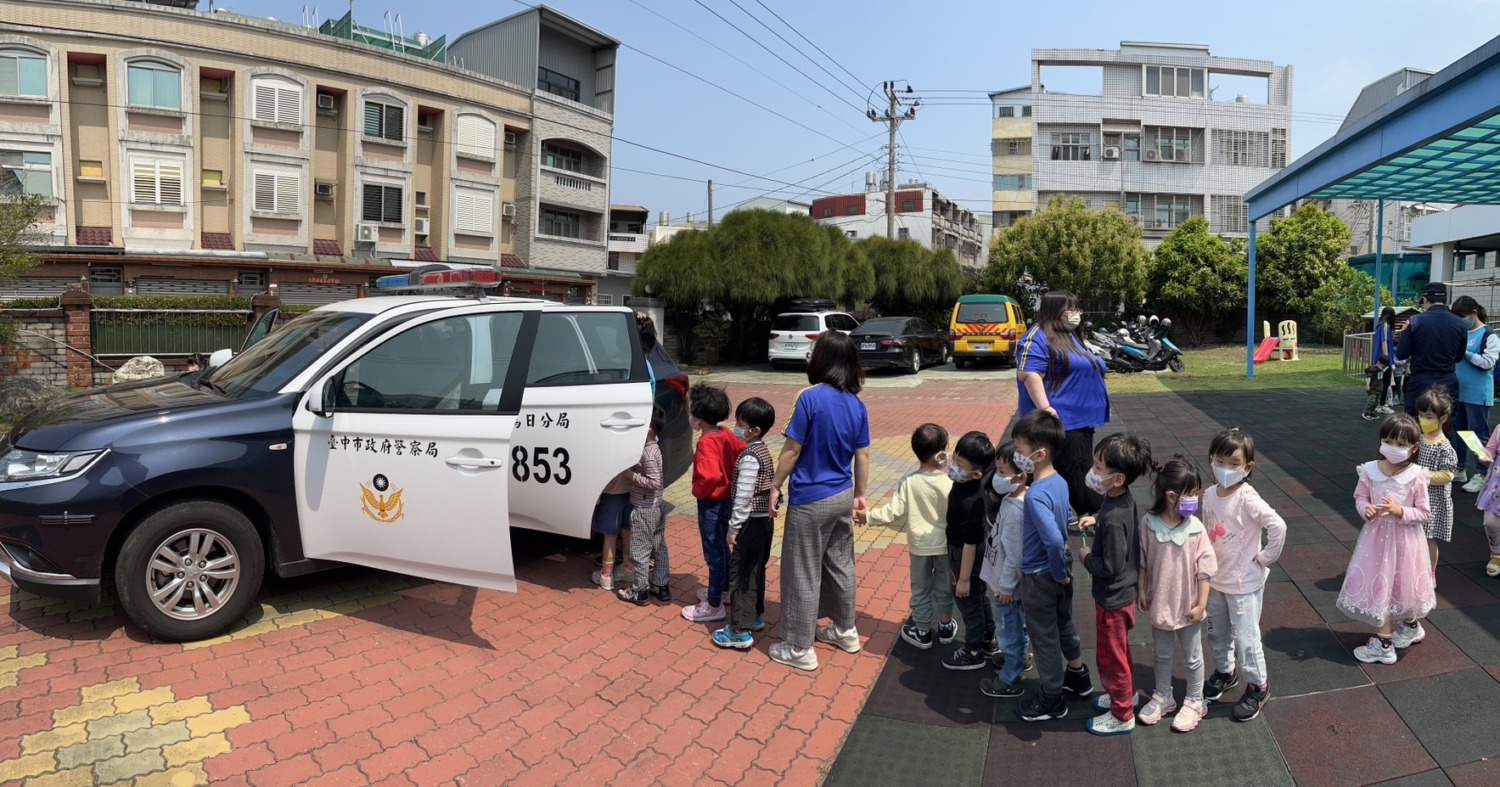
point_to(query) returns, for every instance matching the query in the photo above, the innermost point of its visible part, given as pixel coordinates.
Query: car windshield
(796, 322)
(981, 312)
(888, 325)
(284, 354)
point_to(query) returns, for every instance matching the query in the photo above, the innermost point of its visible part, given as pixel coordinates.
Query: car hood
(58, 424)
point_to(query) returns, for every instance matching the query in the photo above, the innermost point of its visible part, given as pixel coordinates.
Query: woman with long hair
(1476, 386)
(1056, 373)
(827, 458)
(1383, 354)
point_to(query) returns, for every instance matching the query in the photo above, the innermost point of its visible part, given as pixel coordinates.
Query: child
(921, 504)
(749, 537)
(1177, 562)
(1434, 406)
(1046, 578)
(647, 535)
(1489, 503)
(1114, 563)
(1237, 518)
(1388, 580)
(1001, 571)
(1374, 390)
(612, 521)
(713, 466)
(965, 532)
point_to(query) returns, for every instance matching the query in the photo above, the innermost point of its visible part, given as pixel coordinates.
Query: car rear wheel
(913, 361)
(960, 363)
(190, 570)
(943, 356)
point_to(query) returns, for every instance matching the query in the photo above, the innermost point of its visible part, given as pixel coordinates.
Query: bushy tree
(909, 278)
(1198, 279)
(17, 235)
(1343, 299)
(1095, 254)
(1300, 254)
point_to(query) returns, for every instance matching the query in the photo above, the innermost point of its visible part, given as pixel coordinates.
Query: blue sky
(1336, 47)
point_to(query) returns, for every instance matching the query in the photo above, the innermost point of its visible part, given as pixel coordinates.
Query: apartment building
(628, 242)
(1157, 139)
(205, 153)
(1010, 149)
(923, 214)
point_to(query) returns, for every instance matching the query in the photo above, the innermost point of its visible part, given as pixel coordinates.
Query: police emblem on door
(380, 502)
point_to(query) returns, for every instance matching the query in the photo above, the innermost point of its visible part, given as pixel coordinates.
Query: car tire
(943, 356)
(960, 363)
(913, 361)
(184, 533)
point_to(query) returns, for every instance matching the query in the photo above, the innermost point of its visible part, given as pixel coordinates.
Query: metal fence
(1357, 353)
(131, 332)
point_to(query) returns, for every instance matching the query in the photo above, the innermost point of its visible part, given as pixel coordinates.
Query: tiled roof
(511, 261)
(221, 241)
(426, 254)
(95, 236)
(327, 248)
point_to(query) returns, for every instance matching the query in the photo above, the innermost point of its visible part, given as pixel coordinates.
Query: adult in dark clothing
(1433, 343)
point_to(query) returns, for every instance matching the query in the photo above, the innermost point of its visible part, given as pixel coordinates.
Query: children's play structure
(1283, 345)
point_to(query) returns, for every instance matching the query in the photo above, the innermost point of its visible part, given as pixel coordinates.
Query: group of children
(732, 475)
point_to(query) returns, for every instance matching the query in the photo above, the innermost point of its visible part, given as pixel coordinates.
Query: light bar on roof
(440, 280)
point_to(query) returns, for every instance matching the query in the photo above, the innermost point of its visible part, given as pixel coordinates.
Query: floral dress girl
(1390, 574)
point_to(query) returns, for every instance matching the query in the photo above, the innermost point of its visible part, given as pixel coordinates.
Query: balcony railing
(572, 183)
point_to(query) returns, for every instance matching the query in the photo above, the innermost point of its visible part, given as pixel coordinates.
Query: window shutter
(169, 182)
(395, 122)
(288, 193)
(474, 212)
(476, 137)
(373, 118)
(392, 204)
(265, 102)
(289, 105)
(265, 192)
(142, 181)
(370, 204)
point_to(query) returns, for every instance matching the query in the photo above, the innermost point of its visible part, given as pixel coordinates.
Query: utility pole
(892, 118)
(710, 203)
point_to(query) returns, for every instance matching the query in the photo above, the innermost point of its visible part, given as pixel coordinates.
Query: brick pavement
(358, 676)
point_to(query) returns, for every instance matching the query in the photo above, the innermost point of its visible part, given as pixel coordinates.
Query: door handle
(616, 423)
(474, 461)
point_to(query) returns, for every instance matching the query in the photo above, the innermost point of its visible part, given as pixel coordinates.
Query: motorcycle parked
(1140, 346)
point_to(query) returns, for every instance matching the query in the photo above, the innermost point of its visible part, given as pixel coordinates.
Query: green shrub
(31, 303)
(298, 308)
(174, 310)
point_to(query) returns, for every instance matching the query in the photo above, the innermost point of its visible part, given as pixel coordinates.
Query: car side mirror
(321, 402)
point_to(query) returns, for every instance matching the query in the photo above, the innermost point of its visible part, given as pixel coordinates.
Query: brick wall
(36, 353)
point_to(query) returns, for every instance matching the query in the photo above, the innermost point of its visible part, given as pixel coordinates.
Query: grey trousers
(648, 541)
(817, 567)
(1192, 655)
(1048, 606)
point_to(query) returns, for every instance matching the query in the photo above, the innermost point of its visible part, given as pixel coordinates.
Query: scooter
(1145, 342)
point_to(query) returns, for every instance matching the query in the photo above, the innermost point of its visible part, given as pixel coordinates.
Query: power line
(856, 79)
(795, 48)
(909, 156)
(773, 53)
(859, 162)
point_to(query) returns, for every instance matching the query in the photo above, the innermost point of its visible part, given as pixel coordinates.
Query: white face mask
(1075, 319)
(958, 474)
(1095, 482)
(743, 434)
(1228, 478)
(1002, 485)
(1394, 454)
(1024, 462)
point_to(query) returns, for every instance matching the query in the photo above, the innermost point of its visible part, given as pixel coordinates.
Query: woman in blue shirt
(1384, 354)
(827, 457)
(1476, 387)
(1054, 372)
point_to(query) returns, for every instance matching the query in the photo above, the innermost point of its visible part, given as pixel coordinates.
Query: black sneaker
(946, 632)
(1030, 661)
(1368, 416)
(965, 659)
(1078, 681)
(993, 687)
(662, 592)
(1217, 684)
(1039, 708)
(1250, 704)
(991, 647)
(916, 637)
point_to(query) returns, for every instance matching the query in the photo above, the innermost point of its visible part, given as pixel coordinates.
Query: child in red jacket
(713, 467)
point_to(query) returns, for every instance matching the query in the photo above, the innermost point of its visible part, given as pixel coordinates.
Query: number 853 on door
(540, 464)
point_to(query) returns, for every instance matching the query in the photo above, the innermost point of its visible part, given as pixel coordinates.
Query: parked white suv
(792, 334)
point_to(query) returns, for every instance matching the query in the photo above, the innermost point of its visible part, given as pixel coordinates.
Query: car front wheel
(913, 361)
(190, 570)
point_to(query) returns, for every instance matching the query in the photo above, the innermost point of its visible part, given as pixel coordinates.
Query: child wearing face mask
(1237, 519)
(1388, 579)
(713, 467)
(750, 527)
(920, 504)
(1005, 498)
(1114, 563)
(1434, 408)
(966, 530)
(1177, 563)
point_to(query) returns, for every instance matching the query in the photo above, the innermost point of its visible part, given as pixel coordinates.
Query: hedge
(32, 303)
(172, 310)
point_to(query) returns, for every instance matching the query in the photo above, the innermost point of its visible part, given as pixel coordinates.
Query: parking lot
(764, 374)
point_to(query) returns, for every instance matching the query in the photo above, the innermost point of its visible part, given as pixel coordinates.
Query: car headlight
(21, 465)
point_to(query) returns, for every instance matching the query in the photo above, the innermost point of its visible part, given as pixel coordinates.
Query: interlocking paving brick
(90, 751)
(196, 749)
(141, 700)
(181, 709)
(186, 776)
(128, 767)
(110, 690)
(218, 721)
(82, 776)
(118, 724)
(156, 737)
(54, 739)
(26, 766)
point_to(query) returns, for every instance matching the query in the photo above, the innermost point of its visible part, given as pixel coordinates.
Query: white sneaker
(704, 612)
(1109, 725)
(847, 641)
(1476, 483)
(1406, 635)
(1384, 410)
(784, 653)
(1461, 478)
(1373, 652)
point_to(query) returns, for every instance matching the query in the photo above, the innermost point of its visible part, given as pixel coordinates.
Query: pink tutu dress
(1390, 574)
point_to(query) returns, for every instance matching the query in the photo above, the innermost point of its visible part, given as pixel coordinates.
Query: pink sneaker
(1187, 719)
(1156, 708)
(702, 612)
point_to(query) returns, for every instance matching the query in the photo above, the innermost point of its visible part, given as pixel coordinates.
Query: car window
(796, 322)
(846, 323)
(580, 348)
(878, 325)
(982, 312)
(917, 326)
(453, 364)
(284, 353)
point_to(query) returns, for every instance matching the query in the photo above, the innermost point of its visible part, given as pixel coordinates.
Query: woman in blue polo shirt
(1054, 372)
(827, 457)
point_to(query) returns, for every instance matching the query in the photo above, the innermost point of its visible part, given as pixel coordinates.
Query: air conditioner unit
(367, 233)
(421, 226)
(508, 210)
(327, 103)
(1111, 153)
(510, 139)
(1152, 155)
(323, 189)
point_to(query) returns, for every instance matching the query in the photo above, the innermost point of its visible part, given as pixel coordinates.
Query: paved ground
(876, 379)
(358, 676)
(1427, 720)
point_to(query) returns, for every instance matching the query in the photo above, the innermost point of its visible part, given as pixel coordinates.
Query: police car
(406, 433)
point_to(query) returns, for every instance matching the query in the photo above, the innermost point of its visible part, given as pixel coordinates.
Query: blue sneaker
(760, 624)
(727, 637)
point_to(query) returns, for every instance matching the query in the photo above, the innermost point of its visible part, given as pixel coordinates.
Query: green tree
(911, 280)
(1343, 299)
(1095, 254)
(1198, 279)
(18, 236)
(1300, 253)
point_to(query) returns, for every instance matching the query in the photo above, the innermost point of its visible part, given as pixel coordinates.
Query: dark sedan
(906, 343)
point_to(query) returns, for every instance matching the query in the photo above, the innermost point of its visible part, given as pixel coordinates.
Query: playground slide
(1267, 347)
